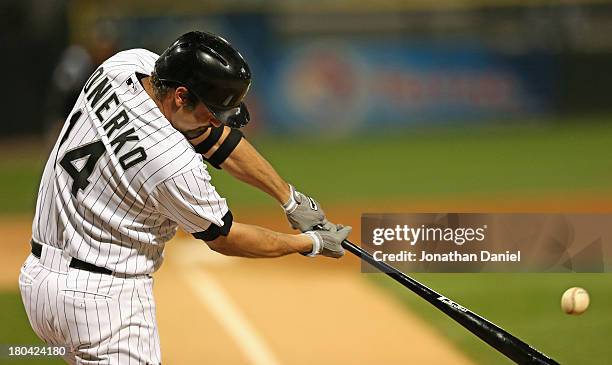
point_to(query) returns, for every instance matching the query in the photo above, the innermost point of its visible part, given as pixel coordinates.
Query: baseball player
(126, 171)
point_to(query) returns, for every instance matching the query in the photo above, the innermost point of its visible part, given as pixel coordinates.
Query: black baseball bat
(515, 349)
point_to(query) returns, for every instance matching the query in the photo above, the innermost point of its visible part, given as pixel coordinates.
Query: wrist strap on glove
(292, 204)
(316, 244)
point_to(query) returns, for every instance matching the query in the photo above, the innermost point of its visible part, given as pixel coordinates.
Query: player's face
(193, 122)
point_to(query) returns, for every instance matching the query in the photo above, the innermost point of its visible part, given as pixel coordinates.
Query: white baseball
(575, 301)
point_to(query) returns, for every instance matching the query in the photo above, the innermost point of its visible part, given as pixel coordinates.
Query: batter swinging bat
(502, 341)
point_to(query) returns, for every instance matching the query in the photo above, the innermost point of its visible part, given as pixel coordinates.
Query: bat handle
(350, 246)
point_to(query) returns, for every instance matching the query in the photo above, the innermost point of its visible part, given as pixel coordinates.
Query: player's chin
(195, 133)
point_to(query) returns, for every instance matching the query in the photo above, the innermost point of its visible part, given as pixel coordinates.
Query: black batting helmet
(211, 69)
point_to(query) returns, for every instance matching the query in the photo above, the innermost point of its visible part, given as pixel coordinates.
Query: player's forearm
(252, 241)
(247, 165)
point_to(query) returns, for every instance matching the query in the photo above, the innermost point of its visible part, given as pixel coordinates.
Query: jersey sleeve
(190, 200)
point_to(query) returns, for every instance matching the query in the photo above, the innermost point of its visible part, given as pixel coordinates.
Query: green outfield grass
(19, 180)
(545, 159)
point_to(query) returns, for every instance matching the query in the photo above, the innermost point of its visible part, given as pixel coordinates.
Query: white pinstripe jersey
(120, 178)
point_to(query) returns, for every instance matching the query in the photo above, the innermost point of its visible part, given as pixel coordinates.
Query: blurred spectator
(76, 64)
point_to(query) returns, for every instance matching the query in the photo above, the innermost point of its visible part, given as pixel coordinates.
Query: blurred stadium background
(466, 105)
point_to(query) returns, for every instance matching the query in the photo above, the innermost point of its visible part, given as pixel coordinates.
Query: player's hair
(161, 89)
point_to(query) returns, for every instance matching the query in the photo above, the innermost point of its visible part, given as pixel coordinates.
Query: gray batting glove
(304, 213)
(328, 243)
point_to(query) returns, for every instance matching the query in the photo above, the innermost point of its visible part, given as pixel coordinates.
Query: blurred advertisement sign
(345, 85)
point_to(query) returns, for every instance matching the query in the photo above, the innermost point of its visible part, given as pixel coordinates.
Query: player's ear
(181, 95)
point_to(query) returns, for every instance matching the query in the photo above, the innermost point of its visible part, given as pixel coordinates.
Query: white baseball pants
(101, 319)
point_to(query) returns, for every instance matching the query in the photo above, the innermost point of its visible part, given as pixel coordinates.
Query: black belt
(74, 263)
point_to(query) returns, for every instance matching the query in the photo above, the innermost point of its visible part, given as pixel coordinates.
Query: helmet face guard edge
(236, 117)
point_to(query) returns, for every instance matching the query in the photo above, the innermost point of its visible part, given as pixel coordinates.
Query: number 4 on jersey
(92, 151)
